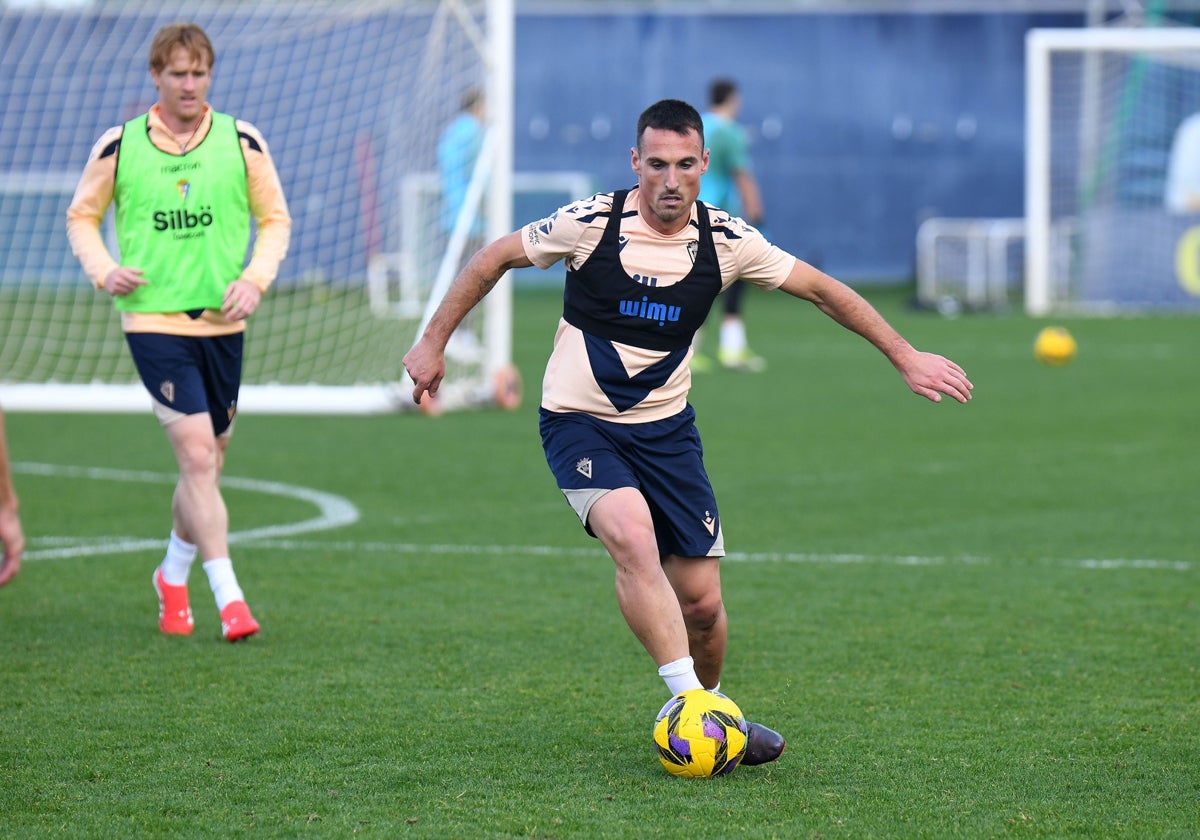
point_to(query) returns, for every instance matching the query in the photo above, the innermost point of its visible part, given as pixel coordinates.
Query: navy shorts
(191, 375)
(663, 459)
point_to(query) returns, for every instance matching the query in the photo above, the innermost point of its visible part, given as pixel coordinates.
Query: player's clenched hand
(121, 281)
(931, 375)
(426, 366)
(241, 299)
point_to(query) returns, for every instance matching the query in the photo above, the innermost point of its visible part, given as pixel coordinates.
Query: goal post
(352, 97)
(1104, 108)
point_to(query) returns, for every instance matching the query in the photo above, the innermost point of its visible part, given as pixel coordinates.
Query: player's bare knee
(196, 457)
(701, 615)
(627, 540)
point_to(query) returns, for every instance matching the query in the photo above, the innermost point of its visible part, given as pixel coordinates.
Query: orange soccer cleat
(236, 622)
(174, 613)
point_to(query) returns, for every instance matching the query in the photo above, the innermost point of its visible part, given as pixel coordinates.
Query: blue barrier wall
(864, 125)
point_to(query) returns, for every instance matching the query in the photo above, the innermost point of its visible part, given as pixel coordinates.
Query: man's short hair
(187, 35)
(720, 90)
(470, 99)
(670, 115)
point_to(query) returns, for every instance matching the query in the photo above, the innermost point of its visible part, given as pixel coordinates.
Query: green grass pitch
(970, 621)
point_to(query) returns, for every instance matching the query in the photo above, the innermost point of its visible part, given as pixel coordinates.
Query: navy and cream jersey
(621, 352)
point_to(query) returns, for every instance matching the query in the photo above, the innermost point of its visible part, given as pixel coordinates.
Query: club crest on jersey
(693, 248)
(584, 467)
(184, 186)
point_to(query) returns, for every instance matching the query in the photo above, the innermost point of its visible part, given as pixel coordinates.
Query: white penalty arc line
(333, 511)
(336, 511)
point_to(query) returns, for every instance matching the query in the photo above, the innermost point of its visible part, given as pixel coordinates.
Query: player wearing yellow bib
(186, 181)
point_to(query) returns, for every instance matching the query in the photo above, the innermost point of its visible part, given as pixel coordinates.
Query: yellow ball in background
(1054, 346)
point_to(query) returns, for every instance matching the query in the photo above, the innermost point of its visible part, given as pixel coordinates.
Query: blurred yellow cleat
(745, 360)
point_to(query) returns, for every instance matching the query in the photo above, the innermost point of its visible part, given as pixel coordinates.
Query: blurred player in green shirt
(729, 184)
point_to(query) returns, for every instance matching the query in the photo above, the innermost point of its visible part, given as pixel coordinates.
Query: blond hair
(187, 35)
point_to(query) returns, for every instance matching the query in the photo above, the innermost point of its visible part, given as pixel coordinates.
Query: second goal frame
(1047, 237)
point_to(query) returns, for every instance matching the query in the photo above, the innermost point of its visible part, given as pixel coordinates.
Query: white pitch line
(734, 556)
(333, 511)
(336, 511)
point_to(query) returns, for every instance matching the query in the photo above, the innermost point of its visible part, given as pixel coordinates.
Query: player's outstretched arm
(926, 374)
(12, 539)
(426, 361)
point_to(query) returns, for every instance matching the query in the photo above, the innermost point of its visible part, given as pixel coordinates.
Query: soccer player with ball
(643, 267)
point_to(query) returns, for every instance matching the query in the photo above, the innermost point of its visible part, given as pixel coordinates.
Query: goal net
(352, 97)
(1112, 170)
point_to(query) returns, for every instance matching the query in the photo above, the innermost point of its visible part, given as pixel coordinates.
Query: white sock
(733, 335)
(223, 581)
(680, 675)
(178, 563)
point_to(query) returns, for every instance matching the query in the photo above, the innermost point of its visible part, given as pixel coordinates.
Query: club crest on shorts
(167, 389)
(584, 467)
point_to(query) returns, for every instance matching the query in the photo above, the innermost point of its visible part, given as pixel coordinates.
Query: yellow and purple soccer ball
(1054, 346)
(700, 733)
